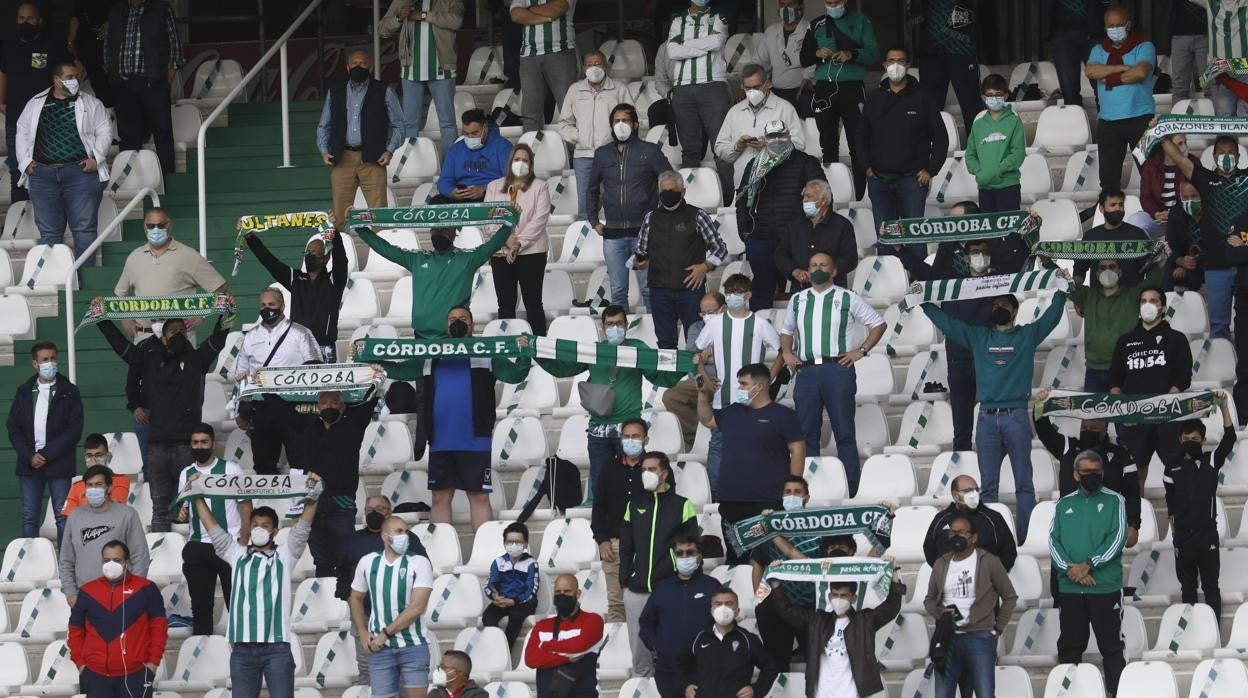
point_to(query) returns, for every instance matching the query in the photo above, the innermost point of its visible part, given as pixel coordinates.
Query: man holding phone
(475, 160)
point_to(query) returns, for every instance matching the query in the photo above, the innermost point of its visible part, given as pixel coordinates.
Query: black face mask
(1091, 482)
(564, 605)
(457, 329)
(358, 74)
(201, 455)
(1114, 217)
(27, 32)
(329, 415)
(958, 543)
(1191, 449)
(1002, 316)
(670, 199)
(270, 315)
(374, 520)
(313, 262)
(442, 243)
(1089, 438)
(179, 345)
(838, 552)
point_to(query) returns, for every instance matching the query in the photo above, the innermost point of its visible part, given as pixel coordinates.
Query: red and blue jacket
(114, 629)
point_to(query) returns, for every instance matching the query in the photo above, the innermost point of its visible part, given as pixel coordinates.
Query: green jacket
(995, 150)
(1106, 318)
(627, 383)
(859, 29)
(440, 280)
(1089, 528)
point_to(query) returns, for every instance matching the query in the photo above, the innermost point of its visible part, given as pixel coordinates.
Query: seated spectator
(1121, 67)
(995, 149)
(522, 260)
(477, 159)
(821, 229)
(512, 587)
(451, 678)
(95, 452)
(585, 119)
(741, 137)
(1161, 182)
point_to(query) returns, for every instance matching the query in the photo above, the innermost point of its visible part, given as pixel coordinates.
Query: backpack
(561, 484)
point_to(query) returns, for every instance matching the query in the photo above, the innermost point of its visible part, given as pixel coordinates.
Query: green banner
(407, 348)
(1131, 409)
(1085, 250)
(157, 307)
(435, 215)
(867, 572)
(306, 383)
(824, 521)
(978, 226)
(233, 487)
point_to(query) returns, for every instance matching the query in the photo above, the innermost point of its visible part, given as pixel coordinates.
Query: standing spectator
(1227, 29)
(1073, 25)
(316, 290)
(779, 53)
(816, 339)
(995, 148)
(451, 678)
(1191, 482)
(200, 565)
(1161, 181)
(564, 647)
(98, 634)
(1109, 312)
(512, 586)
(1121, 67)
(623, 184)
(522, 260)
(679, 247)
(742, 136)
(617, 485)
(1113, 205)
(1152, 359)
(972, 588)
(27, 64)
(585, 120)
(840, 45)
(427, 60)
(1004, 356)
(63, 137)
(88, 528)
(950, 54)
(44, 423)
(142, 54)
(1085, 544)
(770, 200)
(676, 612)
(700, 97)
(547, 54)
(992, 532)
(721, 661)
(95, 452)
(651, 523)
(172, 371)
(258, 628)
(392, 633)
(87, 28)
(361, 126)
(480, 157)
(1185, 268)
(822, 230)
(902, 142)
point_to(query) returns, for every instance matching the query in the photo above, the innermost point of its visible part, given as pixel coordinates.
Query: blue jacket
(514, 579)
(625, 184)
(475, 168)
(64, 428)
(677, 610)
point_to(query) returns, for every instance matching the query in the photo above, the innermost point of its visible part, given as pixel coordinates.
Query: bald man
(566, 639)
(1121, 68)
(992, 529)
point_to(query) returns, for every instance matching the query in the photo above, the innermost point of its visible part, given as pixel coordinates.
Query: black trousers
(143, 109)
(1103, 612)
(778, 636)
(274, 424)
(962, 402)
(1144, 441)
(528, 272)
(91, 53)
(202, 568)
(515, 616)
(836, 102)
(1196, 555)
(1114, 140)
(940, 71)
(732, 512)
(1240, 392)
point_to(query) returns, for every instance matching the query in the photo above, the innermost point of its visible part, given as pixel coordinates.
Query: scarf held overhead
(258, 223)
(435, 216)
(305, 383)
(984, 287)
(865, 572)
(977, 226)
(1130, 409)
(823, 521)
(289, 486)
(158, 307)
(1169, 124)
(1098, 249)
(404, 349)
(606, 354)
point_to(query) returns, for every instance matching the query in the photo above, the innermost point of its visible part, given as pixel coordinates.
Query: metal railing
(279, 47)
(71, 344)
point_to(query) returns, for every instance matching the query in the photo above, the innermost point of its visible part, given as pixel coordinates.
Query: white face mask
(113, 570)
(71, 86)
(622, 130)
(723, 615)
(520, 168)
(792, 502)
(515, 549)
(755, 96)
(971, 499)
(1108, 278)
(1149, 312)
(259, 536)
(437, 677)
(649, 480)
(839, 606)
(595, 74)
(980, 261)
(895, 72)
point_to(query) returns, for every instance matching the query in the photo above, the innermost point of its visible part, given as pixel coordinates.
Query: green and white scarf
(1236, 68)
(607, 354)
(1169, 124)
(435, 215)
(820, 522)
(306, 383)
(257, 223)
(984, 287)
(1098, 249)
(866, 572)
(406, 349)
(231, 487)
(977, 226)
(764, 163)
(1130, 409)
(158, 307)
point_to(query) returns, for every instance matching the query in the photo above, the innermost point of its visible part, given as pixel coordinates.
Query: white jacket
(741, 120)
(584, 119)
(93, 128)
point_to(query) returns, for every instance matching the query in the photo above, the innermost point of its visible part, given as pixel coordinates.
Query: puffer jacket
(625, 184)
(585, 118)
(779, 202)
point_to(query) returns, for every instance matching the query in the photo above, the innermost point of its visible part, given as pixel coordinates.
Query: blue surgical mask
(615, 335)
(399, 544)
(632, 447)
(810, 208)
(1116, 34)
(96, 496)
(701, 3)
(47, 370)
(687, 565)
(474, 142)
(734, 301)
(994, 103)
(836, 12)
(157, 236)
(742, 396)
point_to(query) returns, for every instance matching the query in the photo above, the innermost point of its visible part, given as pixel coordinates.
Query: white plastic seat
(1213, 365)
(726, 223)
(615, 658)
(1040, 521)
(303, 566)
(564, 200)
(931, 366)
(909, 530)
(557, 293)
(186, 122)
(1027, 580)
(886, 477)
(527, 448)
(567, 546)
(1081, 180)
(1035, 639)
(14, 669)
(20, 232)
(1237, 642)
(959, 187)
(28, 563)
(58, 676)
(1030, 310)
(441, 544)
(593, 583)
(456, 601)
(1198, 641)
(919, 683)
(487, 545)
(485, 66)
(1085, 682)
(871, 427)
(636, 687)
(579, 328)
(203, 664)
(875, 377)
(945, 468)
(917, 332)
(539, 395)
(415, 161)
(1043, 475)
(932, 439)
(215, 79)
(664, 431)
(738, 52)
(839, 176)
(44, 271)
(881, 281)
(702, 187)
(500, 327)
(361, 202)
(166, 552)
(378, 268)
(908, 633)
(406, 487)
(1035, 180)
(385, 445)
(692, 482)
(333, 663)
(1190, 316)
(1062, 127)
(1064, 368)
(144, 171)
(315, 609)
(951, 133)
(573, 441)
(1060, 219)
(656, 135)
(359, 304)
(487, 647)
(826, 477)
(1219, 678)
(550, 154)
(1152, 679)
(15, 318)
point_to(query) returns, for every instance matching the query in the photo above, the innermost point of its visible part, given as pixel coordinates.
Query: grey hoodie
(86, 532)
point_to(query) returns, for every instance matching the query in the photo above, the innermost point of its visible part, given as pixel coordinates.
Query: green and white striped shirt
(223, 511)
(550, 37)
(824, 322)
(695, 46)
(260, 593)
(424, 65)
(1228, 27)
(737, 343)
(389, 587)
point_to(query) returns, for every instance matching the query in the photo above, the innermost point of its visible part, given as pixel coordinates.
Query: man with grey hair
(679, 246)
(741, 137)
(585, 119)
(822, 230)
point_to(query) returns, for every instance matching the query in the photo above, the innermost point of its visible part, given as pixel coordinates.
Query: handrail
(70, 344)
(279, 46)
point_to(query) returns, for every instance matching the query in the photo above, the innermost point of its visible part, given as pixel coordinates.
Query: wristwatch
(863, 350)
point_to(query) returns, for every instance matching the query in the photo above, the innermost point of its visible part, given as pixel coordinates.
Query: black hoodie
(901, 133)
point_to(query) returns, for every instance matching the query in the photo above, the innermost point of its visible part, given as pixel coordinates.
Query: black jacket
(802, 238)
(360, 543)
(651, 521)
(1122, 475)
(720, 668)
(616, 486)
(901, 133)
(625, 185)
(677, 610)
(62, 429)
(174, 388)
(971, 311)
(313, 302)
(334, 453)
(1131, 274)
(1094, 16)
(1192, 487)
(1179, 229)
(1151, 361)
(157, 45)
(779, 201)
(994, 535)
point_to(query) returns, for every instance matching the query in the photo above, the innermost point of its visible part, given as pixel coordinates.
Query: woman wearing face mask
(522, 260)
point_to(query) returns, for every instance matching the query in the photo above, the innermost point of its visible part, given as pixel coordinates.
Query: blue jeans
(899, 198)
(617, 252)
(414, 109)
(669, 306)
(32, 487)
(582, 167)
(602, 452)
(714, 453)
(974, 655)
(829, 387)
(392, 670)
(272, 661)
(1225, 103)
(1000, 434)
(761, 255)
(66, 195)
(1096, 380)
(1220, 284)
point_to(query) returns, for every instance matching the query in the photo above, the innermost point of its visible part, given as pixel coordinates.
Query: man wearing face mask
(677, 610)
(1085, 543)
(118, 654)
(585, 120)
(563, 647)
(779, 52)
(1185, 268)
(475, 160)
(820, 229)
(200, 565)
(1109, 313)
(142, 54)
(616, 486)
(87, 528)
(741, 137)
(1112, 203)
(700, 97)
(652, 520)
(682, 398)
(678, 246)
(316, 289)
(720, 661)
(1121, 68)
(452, 677)
(95, 452)
(993, 533)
